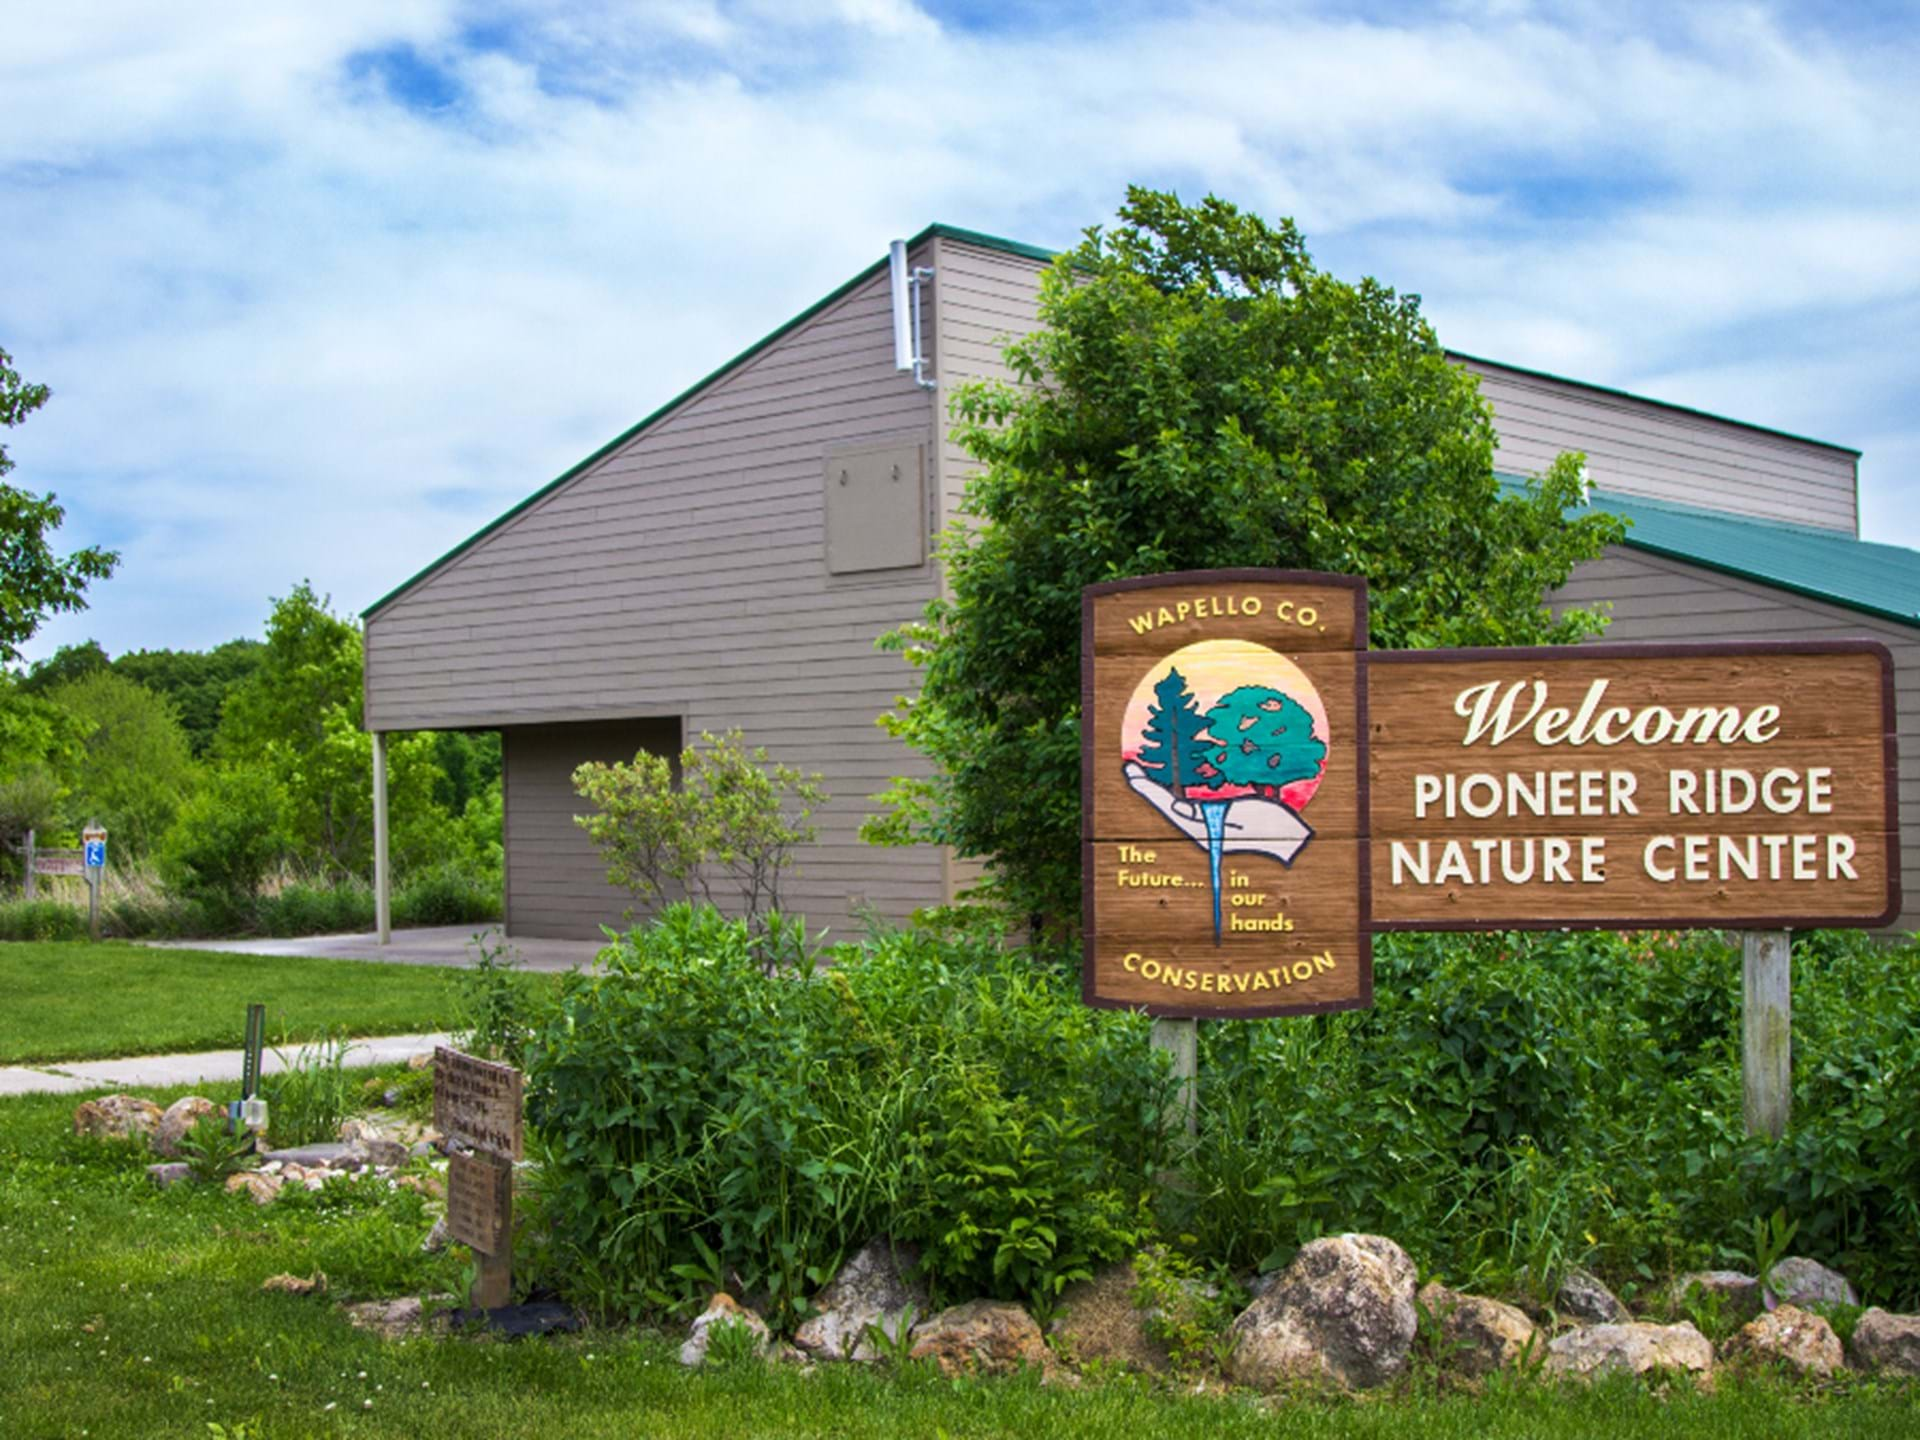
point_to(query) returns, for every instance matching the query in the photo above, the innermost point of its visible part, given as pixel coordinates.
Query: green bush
(227, 839)
(1515, 1104)
(41, 920)
(448, 894)
(706, 1092)
(315, 908)
(309, 1097)
(718, 1111)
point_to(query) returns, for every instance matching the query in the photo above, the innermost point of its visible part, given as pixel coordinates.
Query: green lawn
(65, 1000)
(131, 1312)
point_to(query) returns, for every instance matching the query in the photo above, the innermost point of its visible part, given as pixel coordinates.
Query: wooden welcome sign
(1261, 794)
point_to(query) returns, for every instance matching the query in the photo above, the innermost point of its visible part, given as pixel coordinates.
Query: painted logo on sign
(1227, 741)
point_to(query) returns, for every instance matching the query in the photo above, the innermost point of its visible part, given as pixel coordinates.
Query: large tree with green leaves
(34, 581)
(1199, 395)
(297, 717)
(134, 770)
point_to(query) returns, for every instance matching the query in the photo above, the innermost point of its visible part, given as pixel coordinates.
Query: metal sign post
(93, 841)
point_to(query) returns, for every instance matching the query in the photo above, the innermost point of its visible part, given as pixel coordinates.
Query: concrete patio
(427, 945)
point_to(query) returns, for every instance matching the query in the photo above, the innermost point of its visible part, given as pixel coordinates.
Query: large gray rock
(1797, 1280)
(1792, 1338)
(178, 1121)
(1097, 1320)
(872, 1288)
(1886, 1344)
(1583, 1297)
(981, 1337)
(1479, 1335)
(1341, 1312)
(1595, 1350)
(169, 1172)
(116, 1117)
(723, 1309)
(1739, 1295)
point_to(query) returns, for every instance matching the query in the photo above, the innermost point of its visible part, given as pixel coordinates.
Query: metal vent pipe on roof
(909, 350)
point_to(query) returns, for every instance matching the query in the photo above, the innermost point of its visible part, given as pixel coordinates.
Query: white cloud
(297, 326)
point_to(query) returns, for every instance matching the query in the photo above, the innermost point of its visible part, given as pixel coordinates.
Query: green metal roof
(1830, 565)
(945, 232)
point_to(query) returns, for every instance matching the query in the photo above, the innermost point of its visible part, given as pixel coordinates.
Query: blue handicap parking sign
(96, 854)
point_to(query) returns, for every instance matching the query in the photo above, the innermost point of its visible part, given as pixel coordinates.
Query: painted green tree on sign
(1265, 739)
(1175, 749)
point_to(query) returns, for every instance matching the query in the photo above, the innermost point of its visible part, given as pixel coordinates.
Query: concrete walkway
(152, 1072)
(428, 945)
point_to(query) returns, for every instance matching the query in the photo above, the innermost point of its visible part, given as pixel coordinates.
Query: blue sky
(321, 289)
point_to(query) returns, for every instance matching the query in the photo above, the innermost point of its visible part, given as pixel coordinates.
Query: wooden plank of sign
(480, 1200)
(1292, 937)
(1814, 802)
(478, 1101)
(59, 862)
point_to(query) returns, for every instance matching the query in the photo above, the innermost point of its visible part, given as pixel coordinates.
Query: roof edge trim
(1679, 409)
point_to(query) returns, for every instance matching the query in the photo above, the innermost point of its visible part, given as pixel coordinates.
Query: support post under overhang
(382, 870)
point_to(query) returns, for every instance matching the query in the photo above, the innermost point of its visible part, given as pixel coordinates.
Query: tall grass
(136, 905)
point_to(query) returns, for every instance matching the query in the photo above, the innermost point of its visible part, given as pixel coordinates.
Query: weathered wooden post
(477, 1103)
(1766, 1029)
(1180, 1038)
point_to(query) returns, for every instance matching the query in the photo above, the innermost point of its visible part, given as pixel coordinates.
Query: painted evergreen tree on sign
(1176, 751)
(1265, 739)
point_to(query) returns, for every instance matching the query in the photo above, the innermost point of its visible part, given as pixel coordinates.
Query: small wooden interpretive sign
(477, 1101)
(480, 1201)
(476, 1104)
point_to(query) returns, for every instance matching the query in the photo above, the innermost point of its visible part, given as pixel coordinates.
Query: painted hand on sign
(1228, 776)
(1252, 826)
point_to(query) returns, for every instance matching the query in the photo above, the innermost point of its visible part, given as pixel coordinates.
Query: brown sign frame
(1363, 996)
(1601, 652)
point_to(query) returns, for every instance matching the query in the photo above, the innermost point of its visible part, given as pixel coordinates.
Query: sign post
(93, 842)
(478, 1103)
(28, 886)
(1260, 794)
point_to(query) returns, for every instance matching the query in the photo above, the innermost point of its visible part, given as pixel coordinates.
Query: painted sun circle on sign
(1213, 670)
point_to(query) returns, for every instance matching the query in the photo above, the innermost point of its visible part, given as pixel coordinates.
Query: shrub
(499, 1001)
(447, 894)
(731, 819)
(226, 841)
(42, 920)
(944, 1092)
(1512, 1105)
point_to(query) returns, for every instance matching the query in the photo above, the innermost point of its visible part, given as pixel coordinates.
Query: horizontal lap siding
(1637, 447)
(684, 575)
(985, 298)
(1655, 598)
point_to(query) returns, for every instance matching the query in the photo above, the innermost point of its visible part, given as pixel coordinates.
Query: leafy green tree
(1263, 738)
(134, 770)
(196, 681)
(34, 581)
(229, 836)
(1199, 395)
(298, 717)
(68, 663)
(1175, 751)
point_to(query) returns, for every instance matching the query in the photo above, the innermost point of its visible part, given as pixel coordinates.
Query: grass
(70, 1000)
(131, 1312)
